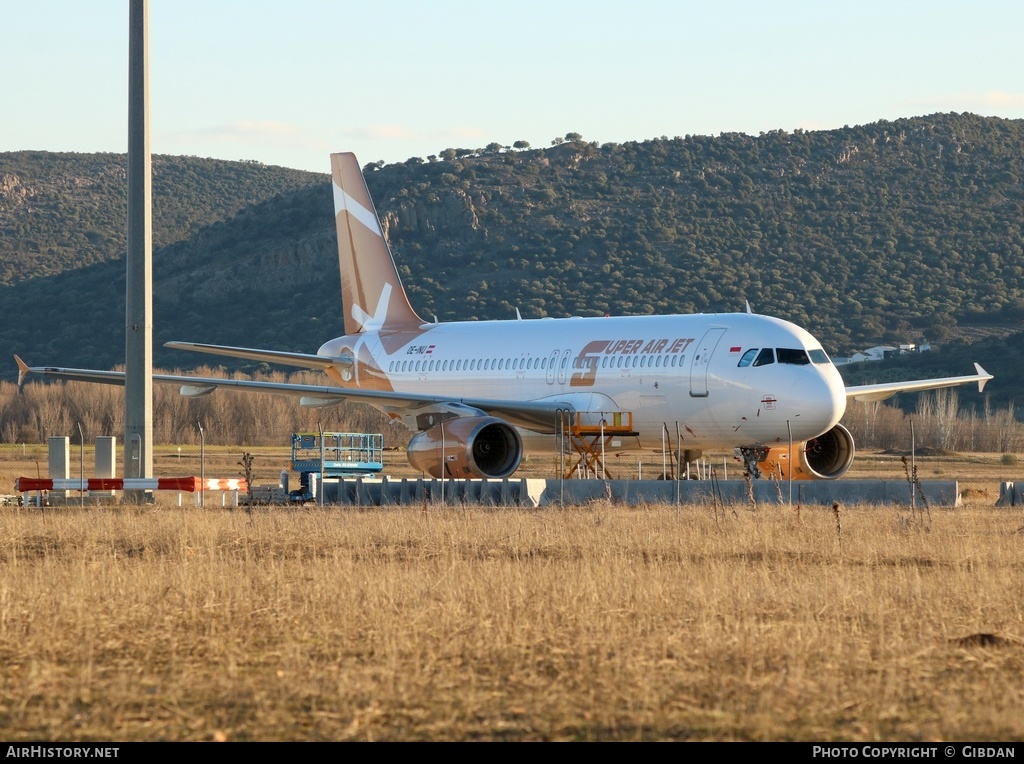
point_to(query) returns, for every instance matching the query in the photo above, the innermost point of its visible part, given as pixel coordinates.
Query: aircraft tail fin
(371, 290)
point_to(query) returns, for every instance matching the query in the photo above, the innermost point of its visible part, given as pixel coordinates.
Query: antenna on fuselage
(518, 316)
(748, 306)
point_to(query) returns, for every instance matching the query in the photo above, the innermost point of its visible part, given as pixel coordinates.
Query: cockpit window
(792, 356)
(747, 358)
(796, 356)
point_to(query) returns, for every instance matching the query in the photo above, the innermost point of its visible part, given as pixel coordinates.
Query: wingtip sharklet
(23, 371)
(983, 377)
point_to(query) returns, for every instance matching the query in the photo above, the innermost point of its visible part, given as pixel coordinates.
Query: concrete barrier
(529, 492)
(1011, 494)
(937, 493)
(375, 492)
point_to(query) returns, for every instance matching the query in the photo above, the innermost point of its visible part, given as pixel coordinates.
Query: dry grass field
(589, 623)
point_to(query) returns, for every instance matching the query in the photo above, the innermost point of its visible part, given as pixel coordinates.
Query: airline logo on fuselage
(588, 359)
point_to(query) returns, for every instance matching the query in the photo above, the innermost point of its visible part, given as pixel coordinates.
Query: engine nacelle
(472, 447)
(823, 458)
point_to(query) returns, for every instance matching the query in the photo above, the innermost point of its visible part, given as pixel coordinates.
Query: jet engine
(467, 447)
(826, 457)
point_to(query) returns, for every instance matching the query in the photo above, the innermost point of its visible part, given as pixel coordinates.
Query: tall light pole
(138, 347)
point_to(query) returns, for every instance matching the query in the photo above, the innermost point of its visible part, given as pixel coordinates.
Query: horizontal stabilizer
(302, 360)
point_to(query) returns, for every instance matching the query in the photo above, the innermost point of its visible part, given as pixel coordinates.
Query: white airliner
(472, 390)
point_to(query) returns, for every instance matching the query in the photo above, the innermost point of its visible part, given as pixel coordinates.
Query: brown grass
(590, 623)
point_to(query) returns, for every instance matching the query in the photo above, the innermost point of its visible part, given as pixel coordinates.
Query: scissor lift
(588, 432)
(338, 454)
(344, 454)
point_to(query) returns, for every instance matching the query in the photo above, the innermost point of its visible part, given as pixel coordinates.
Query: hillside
(890, 231)
(62, 212)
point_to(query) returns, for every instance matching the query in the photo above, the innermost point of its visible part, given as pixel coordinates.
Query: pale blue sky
(289, 82)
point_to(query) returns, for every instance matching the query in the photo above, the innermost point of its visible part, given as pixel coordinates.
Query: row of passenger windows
(752, 357)
(476, 364)
(531, 364)
(795, 356)
(642, 362)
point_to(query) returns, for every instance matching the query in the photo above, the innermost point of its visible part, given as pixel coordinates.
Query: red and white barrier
(25, 484)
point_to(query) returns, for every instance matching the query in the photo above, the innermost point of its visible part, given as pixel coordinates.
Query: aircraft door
(552, 362)
(701, 358)
(563, 367)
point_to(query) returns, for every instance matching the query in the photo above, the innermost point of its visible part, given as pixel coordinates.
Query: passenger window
(765, 357)
(748, 358)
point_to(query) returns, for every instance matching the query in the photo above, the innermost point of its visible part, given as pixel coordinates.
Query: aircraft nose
(823, 401)
(833, 399)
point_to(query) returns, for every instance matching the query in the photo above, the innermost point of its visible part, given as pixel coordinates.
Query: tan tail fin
(371, 291)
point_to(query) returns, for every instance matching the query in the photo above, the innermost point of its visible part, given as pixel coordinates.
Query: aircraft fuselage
(726, 379)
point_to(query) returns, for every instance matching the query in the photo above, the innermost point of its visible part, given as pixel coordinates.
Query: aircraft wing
(888, 389)
(539, 416)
